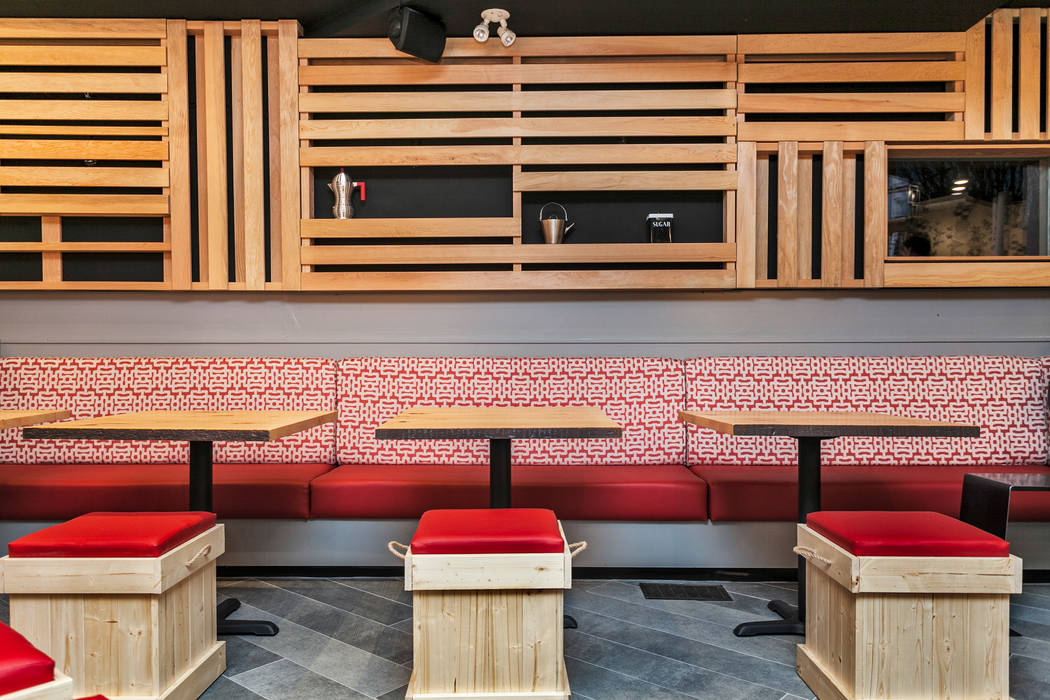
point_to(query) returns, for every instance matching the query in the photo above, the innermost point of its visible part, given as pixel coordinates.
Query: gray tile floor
(352, 638)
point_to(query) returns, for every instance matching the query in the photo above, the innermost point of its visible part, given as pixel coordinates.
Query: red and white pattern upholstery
(91, 387)
(1005, 396)
(641, 394)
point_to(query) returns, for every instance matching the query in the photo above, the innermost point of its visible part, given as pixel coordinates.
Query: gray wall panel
(609, 323)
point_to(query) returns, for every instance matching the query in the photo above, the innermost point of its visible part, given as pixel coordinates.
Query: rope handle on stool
(577, 547)
(810, 554)
(392, 544)
(205, 550)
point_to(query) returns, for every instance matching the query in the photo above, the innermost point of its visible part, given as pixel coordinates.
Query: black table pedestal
(499, 490)
(201, 500)
(794, 616)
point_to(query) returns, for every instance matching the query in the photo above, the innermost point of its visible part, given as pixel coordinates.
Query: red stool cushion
(22, 665)
(905, 533)
(114, 535)
(488, 531)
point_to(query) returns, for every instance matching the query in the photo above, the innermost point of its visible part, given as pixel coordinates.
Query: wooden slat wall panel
(179, 160)
(746, 194)
(875, 212)
(288, 156)
(834, 59)
(787, 214)
(1002, 73)
(242, 220)
(832, 230)
(48, 66)
(974, 115)
(343, 66)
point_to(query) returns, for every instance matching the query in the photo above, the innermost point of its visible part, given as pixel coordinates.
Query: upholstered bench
(26, 673)
(497, 578)
(123, 602)
(909, 604)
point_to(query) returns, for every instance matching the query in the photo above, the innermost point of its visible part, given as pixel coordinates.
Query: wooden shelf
(553, 280)
(566, 253)
(480, 227)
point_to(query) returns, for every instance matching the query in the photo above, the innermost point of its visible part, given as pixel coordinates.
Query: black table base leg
(569, 622)
(224, 627)
(794, 617)
(201, 500)
(499, 473)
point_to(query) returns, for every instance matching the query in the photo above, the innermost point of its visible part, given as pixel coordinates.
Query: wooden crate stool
(905, 604)
(123, 602)
(487, 588)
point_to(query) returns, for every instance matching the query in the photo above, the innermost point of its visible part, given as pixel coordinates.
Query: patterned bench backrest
(641, 394)
(90, 387)
(1005, 396)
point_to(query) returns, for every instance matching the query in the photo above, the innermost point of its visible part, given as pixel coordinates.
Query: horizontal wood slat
(116, 110)
(882, 42)
(680, 180)
(83, 177)
(83, 82)
(453, 74)
(456, 47)
(38, 28)
(583, 154)
(851, 131)
(509, 127)
(84, 204)
(84, 247)
(504, 101)
(410, 228)
(966, 274)
(15, 55)
(853, 72)
(537, 253)
(53, 149)
(853, 102)
(77, 129)
(531, 279)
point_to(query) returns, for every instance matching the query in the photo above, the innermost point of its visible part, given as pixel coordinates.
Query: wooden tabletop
(823, 424)
(16, 419)
(187, 425)
(499, 423)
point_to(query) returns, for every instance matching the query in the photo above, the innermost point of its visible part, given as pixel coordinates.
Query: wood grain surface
(823, 424)
(16, 419)
(499, 423)
(188, 425)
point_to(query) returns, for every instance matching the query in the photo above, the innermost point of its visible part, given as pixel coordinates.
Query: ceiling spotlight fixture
(959, 188)
(495, 15)
(961, 181)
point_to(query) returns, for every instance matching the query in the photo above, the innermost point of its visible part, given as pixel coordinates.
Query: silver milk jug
(343, 189)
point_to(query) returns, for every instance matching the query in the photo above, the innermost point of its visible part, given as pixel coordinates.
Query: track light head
(506, 35)
(481, 32)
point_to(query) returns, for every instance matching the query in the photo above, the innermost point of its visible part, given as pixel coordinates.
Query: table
(200, 429)
(809, 429)
(16, 419)
(499, 425)
(986, 497)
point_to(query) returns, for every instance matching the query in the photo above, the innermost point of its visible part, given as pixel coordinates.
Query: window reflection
(967, 207)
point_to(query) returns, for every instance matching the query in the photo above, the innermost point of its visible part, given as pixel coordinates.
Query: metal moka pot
(555, 229)
(343, 189)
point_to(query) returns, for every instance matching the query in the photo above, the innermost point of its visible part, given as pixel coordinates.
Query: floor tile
(283, 680)
(348, 598)
(331, 658)
(391, 589)
(668, 673)
(358, 631)
(703, 654)
(597, 682)
(397, 694)
(242, 655)
(226, 689)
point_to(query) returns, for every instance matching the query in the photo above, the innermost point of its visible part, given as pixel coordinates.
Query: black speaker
(417, 33)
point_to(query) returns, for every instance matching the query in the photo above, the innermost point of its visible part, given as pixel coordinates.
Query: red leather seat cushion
(60, 492)
(905, 533)
(21, 664)
(771, 493)
(659, 492)
(488, 531)
(113, 535)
